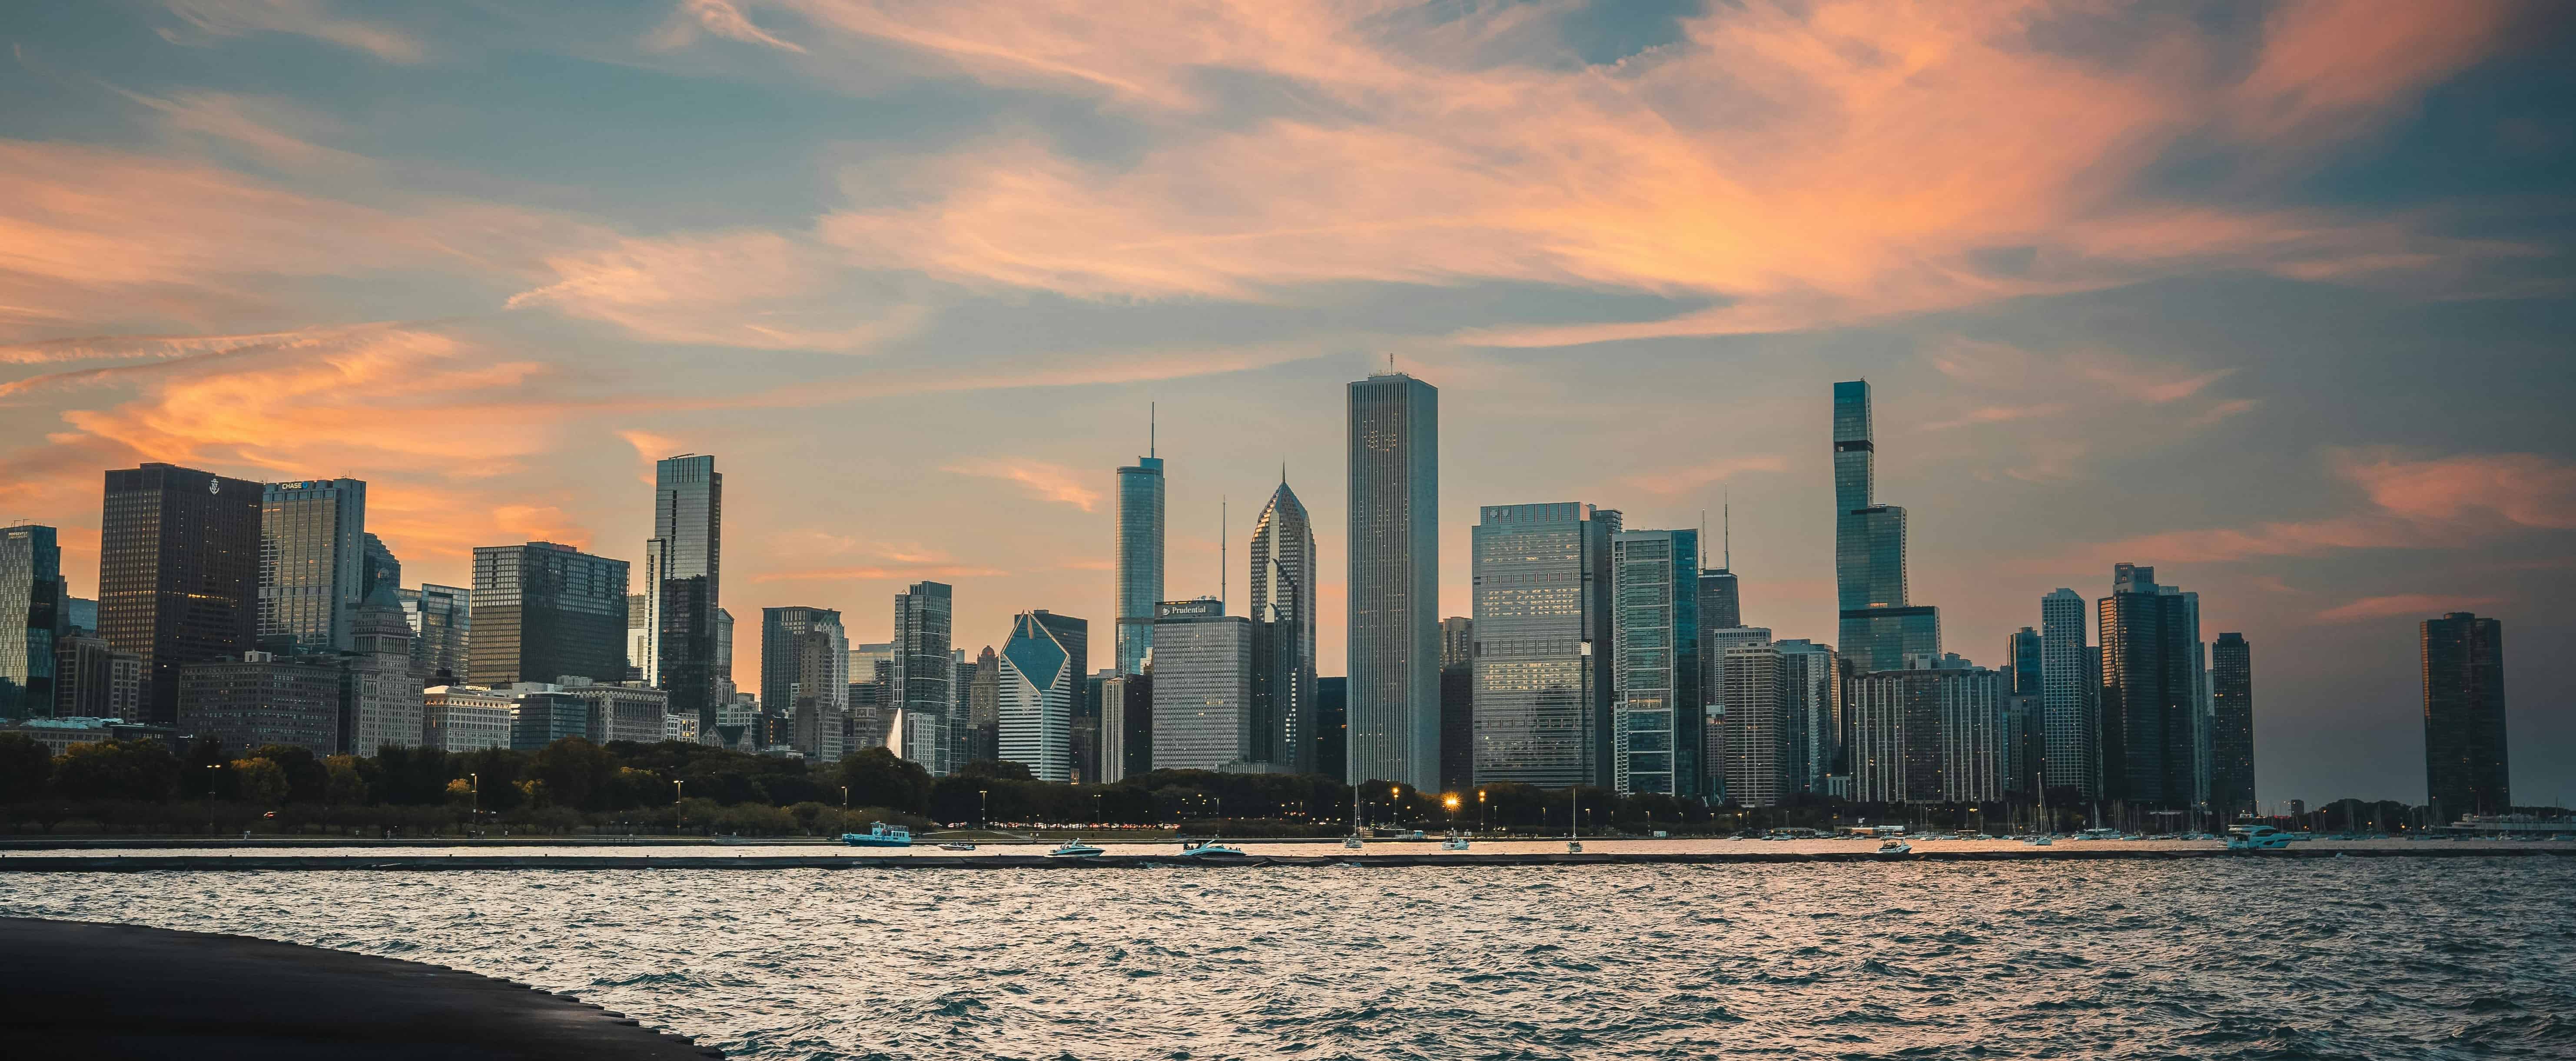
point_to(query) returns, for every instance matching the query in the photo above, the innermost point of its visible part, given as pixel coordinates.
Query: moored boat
(2256, 838)
(880, 835)
(1075, 849)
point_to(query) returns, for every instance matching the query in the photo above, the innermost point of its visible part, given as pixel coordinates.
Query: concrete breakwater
(418, 862)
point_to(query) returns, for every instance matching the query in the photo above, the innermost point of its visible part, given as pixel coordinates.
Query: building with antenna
(1394, 583)
(1879, 626)
(1283, 567)
(1139, 563)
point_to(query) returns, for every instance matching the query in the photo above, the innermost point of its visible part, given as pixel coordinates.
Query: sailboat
(2041, 828)
(1573, 820)
(1353, 841)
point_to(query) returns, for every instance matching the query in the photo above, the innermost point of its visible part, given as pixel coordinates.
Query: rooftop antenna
(1220, 549)
(1703, 539)
(1726, 530)
(1149, 429)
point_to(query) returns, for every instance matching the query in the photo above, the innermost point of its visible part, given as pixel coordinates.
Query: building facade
(441, 619)
(1541, 687)
(1811, 682)
(984, 706)
(312, 563)
(1393, 611)
(544, 612)
(619, 711)
(263, 699)
(1757, 765)
(1929, 734)
(464, 718)
(1880, 627)
(2467, 769)
(381, 692)
(2070, 690)
(32, 618)
(1659, 718)
(1074, 636)
(1457, 704)
(1038, 684)
(1202, 686)
(683, 562)
(178, 573)
(93, 680)
(2151, 691)
(804, 676)
(2231, 725)
(920, 692)
(1284, 573)
(1139, 563)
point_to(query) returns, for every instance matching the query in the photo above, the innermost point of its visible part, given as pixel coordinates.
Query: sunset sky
(2274, 297)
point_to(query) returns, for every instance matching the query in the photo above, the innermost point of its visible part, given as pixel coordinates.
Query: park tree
(25, 766)
(258, 781)
(137, 770)
(878, 779)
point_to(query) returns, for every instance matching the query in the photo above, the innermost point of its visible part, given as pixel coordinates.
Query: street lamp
(983, 808)
(679, 791)
(1451, 800)
(1481, 824)
(845, 797)
(474, 799)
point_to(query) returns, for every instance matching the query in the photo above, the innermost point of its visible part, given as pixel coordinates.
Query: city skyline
(2251, 344)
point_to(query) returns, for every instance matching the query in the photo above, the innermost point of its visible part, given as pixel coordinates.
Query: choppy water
(2358, 958)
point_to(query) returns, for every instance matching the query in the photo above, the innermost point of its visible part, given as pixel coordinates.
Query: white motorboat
(1075, 849)
(1894, 848)
(2256, 838)
(1455, 842)
(2098, 834)
(1354, 842)
(1199, 850)
(955, 845)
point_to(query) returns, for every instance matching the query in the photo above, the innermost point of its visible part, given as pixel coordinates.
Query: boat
(1454, 842)
(1075, 849)
(880, 835)
(955, 845)
(2042, 841)
(1354, 842)
(1893, 848)
(1201, 850)
(2098, 834)
(1574, 847)
(2256, 838)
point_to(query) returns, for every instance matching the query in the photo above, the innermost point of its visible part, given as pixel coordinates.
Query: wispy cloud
(878, 574)
(2429, 503)
(1999, 414)
(1051, 482)
(713, 18)
(749, 288)
(2422, 605)
(1685, 479)
(308, 18)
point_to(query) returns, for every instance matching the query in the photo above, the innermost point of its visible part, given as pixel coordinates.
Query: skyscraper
(1394, 586)
(1716, 648)
(379, 566)
(1932, 733)
(312, 563)
(1657, 725)
(805, 676)
(1542, 690)
(984, 706)
(682, 562)
(2069, 687)
(1758, 764)
(919, 695)
(178, 573)
(544, 612)
(2465, 763)
(1038, 685)
(1879, 627)
(2231, 711)
(1202, 686)
(1811, 684)
(380, 690)
(31, 618)
(1283, 634)
(1140, 556)
(2151, 682)
(441, 619)
(1457, 704)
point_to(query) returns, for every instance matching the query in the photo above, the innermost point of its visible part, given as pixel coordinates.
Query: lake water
(2336, 958)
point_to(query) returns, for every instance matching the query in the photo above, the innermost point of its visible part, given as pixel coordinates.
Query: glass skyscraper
(1657, 723)
(1394, 587)
(2070, 688)
(2151, 690)
(1202, 686)
(312, 563)
(2466, 767)
(178, 573)
(1282, 556)
(682, 562)
(2231, 723)
(441, 620)
(544, 612)
(1879, 626)
(1542, 689)
(920, 691)
(1038, 684)
(1140, 558)
(31, 618)
(805, 676)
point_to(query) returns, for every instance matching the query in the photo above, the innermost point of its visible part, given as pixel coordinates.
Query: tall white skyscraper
(1394, 585)
(1038, 684)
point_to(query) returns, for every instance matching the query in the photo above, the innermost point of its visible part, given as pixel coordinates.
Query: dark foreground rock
(72, 989)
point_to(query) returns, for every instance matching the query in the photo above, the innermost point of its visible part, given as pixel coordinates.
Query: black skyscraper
(2150, 701)
(543, 612)
(2231, 738)
(2464, 736)
(178, 573)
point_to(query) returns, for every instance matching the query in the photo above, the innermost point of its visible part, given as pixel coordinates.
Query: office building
(1541, 691)
(1394, 582)
(312, 563)
(441, 619)
(1127, 727)
(2151, 691)
(682, 564)
(2231, 726)
(2466, 768)
(377, 565)
(261, 699)
(1139, 574)
(32, 617)
(1202, 686)
(93, 680)
(464, 718)
(616, 711)
(1880, 627)
(984, 707)
(2070, 690)
(380, 697)
(178, 573)
(1718, 643)
(545, 714)
(544, 612)
(79, 613)
(1811, 686)
(1074, 636)
(1038, 684)
(920, 693)
(1932, 733)
(1757, 761)
(804, 677)
(1457, 704)
(1283, 581)
(1658, 721)
(1333, 728)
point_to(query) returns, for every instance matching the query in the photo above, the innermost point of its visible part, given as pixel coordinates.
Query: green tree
(878, 779)
(25, 766)
(576, 772)
(142, 770)
(347, 784)
(258, 781)
(999, 769)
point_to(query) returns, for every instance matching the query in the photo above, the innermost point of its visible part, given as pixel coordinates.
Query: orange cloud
(2424, 605)
(878, 574)
(1683, 480)
(2415, 504)
(1050, 482)
(752, 289)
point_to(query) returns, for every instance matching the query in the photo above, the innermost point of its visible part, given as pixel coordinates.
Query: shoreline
(434, 863)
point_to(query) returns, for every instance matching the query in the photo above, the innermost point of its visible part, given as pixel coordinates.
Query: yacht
(2256, 838)
(957, 845)
(2099, 834)
(880, 835)
(1075, 849)
(1454, 842)
(1893, 848)
(1202, 850)
(2040, 841)
(1354, 842)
